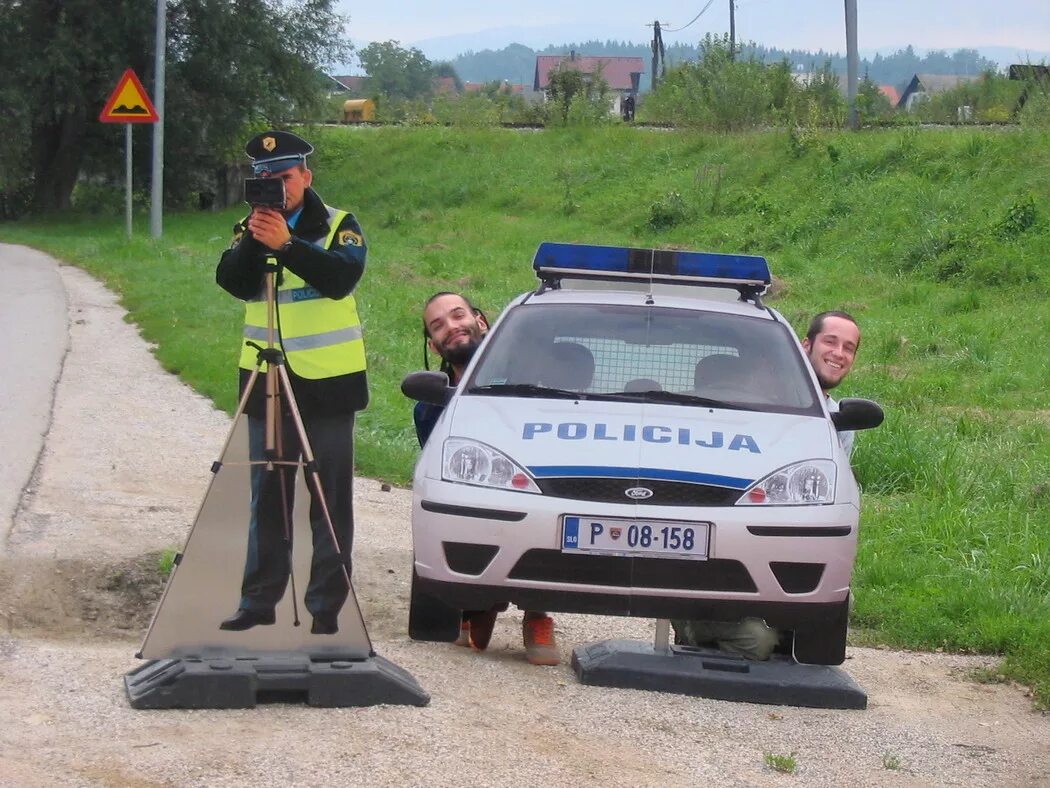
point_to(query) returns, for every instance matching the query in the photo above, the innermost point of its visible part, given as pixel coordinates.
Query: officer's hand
(269, 228)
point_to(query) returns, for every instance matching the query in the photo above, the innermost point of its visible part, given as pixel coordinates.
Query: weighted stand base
(708, 673)
(241, 682)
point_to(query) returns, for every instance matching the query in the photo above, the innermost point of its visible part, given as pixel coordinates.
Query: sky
(883, 25)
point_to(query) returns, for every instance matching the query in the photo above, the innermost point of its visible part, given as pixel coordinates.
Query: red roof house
(891, 94)
(621, 73)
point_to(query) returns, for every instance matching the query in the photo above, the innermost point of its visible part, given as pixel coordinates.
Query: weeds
(787, 764)
(891, 761)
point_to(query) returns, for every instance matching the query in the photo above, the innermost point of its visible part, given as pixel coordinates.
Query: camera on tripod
(265, 193)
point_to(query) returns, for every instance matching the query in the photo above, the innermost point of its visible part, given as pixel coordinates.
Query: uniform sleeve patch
(350, 238)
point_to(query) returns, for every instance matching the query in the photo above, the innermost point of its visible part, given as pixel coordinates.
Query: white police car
(640, 436)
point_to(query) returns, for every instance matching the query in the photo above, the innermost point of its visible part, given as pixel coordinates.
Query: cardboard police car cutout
(640, 436)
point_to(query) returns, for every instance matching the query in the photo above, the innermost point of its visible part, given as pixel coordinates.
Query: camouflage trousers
(750, 638)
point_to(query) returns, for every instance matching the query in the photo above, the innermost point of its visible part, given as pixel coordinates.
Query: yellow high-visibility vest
(321, 337)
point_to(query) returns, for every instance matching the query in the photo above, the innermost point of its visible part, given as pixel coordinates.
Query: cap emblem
(269, 143)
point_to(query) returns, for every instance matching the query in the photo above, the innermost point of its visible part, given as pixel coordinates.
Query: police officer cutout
(320, 256)
(453, 328)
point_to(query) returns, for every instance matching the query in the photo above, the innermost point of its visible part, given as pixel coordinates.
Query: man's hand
(269, 228)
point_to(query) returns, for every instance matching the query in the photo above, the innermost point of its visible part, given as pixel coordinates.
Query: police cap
(275, 151)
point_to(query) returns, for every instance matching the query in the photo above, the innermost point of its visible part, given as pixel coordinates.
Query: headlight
(809, 482)
(470, 462)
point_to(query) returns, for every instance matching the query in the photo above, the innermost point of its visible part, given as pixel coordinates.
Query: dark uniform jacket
(334, 272)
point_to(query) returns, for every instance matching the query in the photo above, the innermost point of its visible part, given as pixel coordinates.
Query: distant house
(622, 74)
(444, 86)
(922, 86)
(504, 87)
(355, 86)
(891, 94)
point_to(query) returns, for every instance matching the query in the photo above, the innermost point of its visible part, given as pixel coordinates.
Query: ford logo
(638, 493)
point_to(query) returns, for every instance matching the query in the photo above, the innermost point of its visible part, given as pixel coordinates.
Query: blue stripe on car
(576, 471)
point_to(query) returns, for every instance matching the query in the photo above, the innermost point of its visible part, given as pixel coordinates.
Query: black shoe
(324, 624)
(246, 619)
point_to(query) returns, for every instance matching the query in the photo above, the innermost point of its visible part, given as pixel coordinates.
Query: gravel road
(121, 476)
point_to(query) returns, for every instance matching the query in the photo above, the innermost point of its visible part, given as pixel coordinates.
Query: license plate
(614, 536)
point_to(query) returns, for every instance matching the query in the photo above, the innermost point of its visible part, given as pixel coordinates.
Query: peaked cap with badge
(276, 151)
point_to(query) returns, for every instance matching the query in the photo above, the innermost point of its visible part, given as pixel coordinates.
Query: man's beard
(825, 384)
(459, 355)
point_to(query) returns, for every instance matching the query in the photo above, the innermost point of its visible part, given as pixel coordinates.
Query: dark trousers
(268, 566)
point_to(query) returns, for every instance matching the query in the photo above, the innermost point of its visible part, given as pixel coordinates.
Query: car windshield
(645, 354)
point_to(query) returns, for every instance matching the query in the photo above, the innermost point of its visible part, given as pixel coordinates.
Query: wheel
(429, 618)
(823, 643)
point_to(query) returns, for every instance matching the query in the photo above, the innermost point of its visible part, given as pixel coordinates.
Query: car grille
(664, 493)
(553, 566)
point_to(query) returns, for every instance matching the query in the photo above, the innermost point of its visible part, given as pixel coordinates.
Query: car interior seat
(721, 372)
(642, 384)
(571, 366)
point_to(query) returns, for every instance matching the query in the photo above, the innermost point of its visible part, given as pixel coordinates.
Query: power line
(677, 29)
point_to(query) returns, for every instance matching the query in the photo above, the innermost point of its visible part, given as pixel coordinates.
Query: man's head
(281, 154)
(453, 327)
(831, 344)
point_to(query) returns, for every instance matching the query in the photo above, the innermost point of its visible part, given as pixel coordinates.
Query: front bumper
(476, 547)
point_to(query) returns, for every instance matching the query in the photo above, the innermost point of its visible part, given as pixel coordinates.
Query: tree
(577, 97)
(445, 69)
(395, 72)
(230, 64)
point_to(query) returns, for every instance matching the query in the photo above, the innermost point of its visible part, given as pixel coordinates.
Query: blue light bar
(557, 261)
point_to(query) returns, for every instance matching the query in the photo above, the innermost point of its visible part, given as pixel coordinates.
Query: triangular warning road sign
(129, 103)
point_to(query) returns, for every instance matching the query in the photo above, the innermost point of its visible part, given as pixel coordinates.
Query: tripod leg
(310, 468)
(286, 476)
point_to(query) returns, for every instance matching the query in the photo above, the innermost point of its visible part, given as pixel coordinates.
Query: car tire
(825, 642)
(429, 618)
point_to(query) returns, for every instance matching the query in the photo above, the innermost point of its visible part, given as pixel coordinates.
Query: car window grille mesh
(672, 366)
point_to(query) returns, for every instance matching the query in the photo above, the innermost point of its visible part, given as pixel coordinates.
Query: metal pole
(656, 38)
(732, 31)
(662, 636)
(156, 211)
(127, 178)
(852, 62)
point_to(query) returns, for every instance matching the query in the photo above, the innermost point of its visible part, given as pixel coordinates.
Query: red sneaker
(537, 631)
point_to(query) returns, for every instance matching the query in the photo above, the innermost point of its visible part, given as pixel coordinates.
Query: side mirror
(857, 414)
(429, 387)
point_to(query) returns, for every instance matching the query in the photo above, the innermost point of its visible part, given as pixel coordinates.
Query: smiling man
(453, 328)
(831, 343)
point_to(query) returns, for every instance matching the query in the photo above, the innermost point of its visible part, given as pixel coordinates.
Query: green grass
(937, 240)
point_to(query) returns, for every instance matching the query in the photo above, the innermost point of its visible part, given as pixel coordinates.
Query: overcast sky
(804, 24)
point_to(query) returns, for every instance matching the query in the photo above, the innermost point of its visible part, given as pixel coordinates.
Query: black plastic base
(234, 682)
(708, 673)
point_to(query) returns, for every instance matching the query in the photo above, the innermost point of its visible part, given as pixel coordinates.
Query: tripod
(280, 403)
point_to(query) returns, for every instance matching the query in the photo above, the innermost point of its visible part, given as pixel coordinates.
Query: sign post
(128, 104)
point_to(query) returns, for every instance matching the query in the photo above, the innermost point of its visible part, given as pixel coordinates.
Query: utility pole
(156, 210)
(732, 30)
(852, 63)
(658, 54)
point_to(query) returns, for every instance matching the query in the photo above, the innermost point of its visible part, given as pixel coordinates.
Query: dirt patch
(81, 599)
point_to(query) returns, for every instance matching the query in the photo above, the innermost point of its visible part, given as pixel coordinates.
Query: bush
(669, 211)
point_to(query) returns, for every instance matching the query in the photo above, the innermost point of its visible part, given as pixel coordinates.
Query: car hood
(731, 448)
